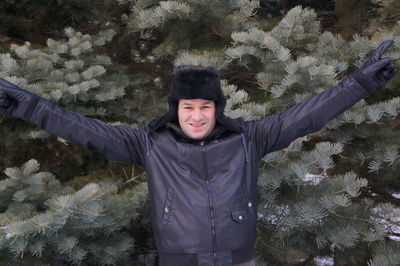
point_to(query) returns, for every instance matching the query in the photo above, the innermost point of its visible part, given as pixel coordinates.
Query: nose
(196, 115)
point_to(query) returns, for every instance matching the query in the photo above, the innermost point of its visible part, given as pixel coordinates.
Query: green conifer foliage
(326, 195)
(38, 20)
(76, 74)
(321, 196)
(41, 219)
(191, 24)
(64, 71)
(310, 206)
(45, 221)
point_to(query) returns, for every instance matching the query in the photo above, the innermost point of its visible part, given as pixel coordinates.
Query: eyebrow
(186, 103)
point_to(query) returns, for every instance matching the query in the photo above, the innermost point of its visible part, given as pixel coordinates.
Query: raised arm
(119, 143)
(277, 131)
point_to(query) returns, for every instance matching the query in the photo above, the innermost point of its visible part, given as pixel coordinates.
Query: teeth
(197, 125)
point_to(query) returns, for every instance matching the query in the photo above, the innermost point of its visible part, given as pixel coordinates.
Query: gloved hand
(15, 101)
(376, 71)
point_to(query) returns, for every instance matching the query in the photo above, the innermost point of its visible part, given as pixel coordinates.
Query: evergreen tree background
(330, 195)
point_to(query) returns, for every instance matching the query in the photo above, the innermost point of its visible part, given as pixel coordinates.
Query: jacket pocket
(239, 216)
(238, 227)
(167, 211)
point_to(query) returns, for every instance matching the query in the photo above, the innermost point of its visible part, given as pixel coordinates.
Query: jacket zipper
(210, 203)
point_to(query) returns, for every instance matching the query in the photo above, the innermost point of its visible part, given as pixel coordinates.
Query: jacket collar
(218, 132)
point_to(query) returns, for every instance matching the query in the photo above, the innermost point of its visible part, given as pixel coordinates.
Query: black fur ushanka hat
(195, 82)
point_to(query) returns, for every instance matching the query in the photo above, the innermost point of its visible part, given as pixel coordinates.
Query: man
(202, 165)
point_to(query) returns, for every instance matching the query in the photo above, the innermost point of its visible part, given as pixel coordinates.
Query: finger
(5, 103)
(386, 76)
(380, 51)
(10, 89)
(391, 65)
(4, 100)
(5, 83)
(388, 71)
(378, 66)
(392, 73)
(388, 67)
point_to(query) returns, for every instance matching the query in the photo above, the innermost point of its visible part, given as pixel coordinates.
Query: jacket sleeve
(277, 131)
(119, 143)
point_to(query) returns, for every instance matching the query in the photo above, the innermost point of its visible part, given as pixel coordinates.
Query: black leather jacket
(203, 193)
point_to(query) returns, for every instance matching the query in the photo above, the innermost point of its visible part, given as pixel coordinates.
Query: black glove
(15, 101)
(376, 71)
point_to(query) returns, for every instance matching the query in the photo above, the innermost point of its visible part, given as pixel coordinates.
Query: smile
(197, 125)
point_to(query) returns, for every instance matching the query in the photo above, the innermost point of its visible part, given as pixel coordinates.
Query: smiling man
(196, 117)
(202, 165)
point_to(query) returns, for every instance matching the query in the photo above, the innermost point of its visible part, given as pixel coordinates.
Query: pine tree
(79, 76)
(76, 74)
(45, 221)
(36, 21)
(317, 194)
(327, 194)
(322, 195)
(190, 24)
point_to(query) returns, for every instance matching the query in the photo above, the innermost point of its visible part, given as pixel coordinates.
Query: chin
(197, 137)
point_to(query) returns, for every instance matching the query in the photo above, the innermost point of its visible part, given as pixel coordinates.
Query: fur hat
(195, 82)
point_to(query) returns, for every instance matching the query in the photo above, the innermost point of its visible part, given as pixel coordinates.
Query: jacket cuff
(359, 78)
(36, 117)
(356, 87)
(29, 112)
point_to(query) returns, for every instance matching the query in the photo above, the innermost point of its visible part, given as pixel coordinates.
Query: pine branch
(386, 195)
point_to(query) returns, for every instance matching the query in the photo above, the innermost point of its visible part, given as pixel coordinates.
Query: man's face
(196, 117)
